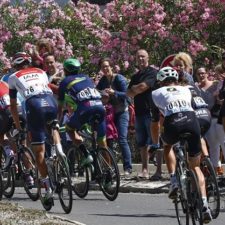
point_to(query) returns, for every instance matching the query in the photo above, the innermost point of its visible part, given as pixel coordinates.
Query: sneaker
(87, 161)
(206, 215)
(29, 181)
(219, 170)
(173, 191)
(127, 172)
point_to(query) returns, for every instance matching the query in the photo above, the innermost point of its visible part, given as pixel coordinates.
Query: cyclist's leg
(36, 108)
(194, 146)
(75, 123)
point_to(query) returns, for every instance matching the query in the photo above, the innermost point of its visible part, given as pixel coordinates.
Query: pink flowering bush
(162, 27)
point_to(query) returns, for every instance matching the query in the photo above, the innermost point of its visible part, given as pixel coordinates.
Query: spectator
(140, 88)
(111, 131)
(115, 85)
(215, 136)
(220, 68)
(55, 75)
(184, 65)
(42, 48)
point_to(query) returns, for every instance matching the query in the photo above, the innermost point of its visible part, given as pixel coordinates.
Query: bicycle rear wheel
(29, 168)
(181, 203)
(107, 174)
(212, 189)
(194, 199)
(79, 174)
(63, 185)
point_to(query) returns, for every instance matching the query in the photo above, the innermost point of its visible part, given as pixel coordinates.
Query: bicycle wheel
(8, 182)
(181, 203)
(194, 199)
(63, 185)
(107, 174)
(8, 179)
(212, 189)
(79, 174)
(29, 170)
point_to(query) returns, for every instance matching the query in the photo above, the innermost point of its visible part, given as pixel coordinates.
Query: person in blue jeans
(140, 88)
(116, 86)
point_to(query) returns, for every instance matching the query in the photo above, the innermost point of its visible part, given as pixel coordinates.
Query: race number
(177, 106)
(88, 93)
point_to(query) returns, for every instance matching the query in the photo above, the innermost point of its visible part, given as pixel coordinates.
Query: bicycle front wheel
(107, 174)
(63, 185)
(79, 174)
(212, 189)
(29, 173)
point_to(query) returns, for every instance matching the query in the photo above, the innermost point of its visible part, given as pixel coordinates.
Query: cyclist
(6, 123)
(79, 92)
(40, 107)
(175, 104)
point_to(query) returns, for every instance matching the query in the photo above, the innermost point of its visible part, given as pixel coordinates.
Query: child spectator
(111, 131)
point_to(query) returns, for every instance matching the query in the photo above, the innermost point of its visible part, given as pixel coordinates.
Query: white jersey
(172, 99)
(29, 82)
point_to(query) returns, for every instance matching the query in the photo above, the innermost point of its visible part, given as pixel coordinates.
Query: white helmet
(21, 57)
(167, 72)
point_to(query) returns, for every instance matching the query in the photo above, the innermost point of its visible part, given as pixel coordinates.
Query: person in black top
(140, 88)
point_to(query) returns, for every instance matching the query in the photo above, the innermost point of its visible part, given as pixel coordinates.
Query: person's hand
(109, 91)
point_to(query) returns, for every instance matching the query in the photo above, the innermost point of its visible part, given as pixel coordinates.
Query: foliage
(162, 27)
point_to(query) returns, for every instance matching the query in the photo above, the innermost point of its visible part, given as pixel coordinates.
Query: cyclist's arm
(13, 108)
(155, 121)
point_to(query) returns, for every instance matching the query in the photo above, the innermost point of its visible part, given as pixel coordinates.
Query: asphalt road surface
(130, 208)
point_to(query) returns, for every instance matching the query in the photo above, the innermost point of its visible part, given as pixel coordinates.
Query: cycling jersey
(29, 82)
(173, 99)
(78, 89)
(4, 96)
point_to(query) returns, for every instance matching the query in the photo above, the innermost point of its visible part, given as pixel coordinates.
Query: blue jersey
(75, 89)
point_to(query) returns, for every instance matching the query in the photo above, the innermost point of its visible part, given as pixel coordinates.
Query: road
(130, 208)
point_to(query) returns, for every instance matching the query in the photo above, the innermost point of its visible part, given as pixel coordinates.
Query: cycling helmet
(71, 65)
(21, 57)
(167, 72)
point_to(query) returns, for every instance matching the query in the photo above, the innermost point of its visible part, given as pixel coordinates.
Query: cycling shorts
(40, 109)
(6, 121)
(179, 123)
(84, 112)
(204, 118)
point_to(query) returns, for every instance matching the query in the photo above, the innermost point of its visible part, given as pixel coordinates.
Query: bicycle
(188, 202)
(24, 165)
(58, 172)
(212, 189)
(104, 169)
